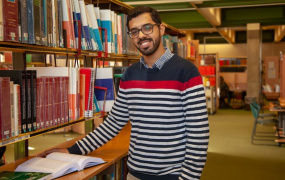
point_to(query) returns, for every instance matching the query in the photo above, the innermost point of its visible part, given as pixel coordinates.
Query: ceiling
(223, 21)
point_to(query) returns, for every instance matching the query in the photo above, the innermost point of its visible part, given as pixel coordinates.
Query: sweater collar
(160, 62)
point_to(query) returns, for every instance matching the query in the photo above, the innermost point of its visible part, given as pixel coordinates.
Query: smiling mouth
(144, 44)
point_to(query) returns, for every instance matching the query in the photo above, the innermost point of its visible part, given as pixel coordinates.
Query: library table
(281, 118)
(111, 152)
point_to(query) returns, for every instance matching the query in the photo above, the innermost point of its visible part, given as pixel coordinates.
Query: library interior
(68, 82)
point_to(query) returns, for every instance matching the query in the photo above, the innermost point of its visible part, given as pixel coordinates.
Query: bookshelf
(209, 70)
(20, 50)
(233, 64)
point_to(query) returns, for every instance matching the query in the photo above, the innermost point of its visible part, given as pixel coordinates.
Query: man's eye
(134, 31)
(147, 27)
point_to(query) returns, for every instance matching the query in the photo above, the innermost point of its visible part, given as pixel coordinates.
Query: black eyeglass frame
(130, 34)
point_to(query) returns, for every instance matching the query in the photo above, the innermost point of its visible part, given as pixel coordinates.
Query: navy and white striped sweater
(168, 114)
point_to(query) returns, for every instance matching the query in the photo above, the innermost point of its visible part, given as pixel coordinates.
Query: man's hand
(44, 154)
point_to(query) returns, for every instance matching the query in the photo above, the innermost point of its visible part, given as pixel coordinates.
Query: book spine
(1, 21)
(28, 101)
(34, 99)
(18, 112)
(49, 23)
(10, 20)
(19, 22)
(106, 23)
(15, 110)
(13, 129)
(61, 38)
(31, 28)
(84, 22)
(53, 102)
(37, 21)
(23, 103)
(5, 108)
(43, 23)
(24, 21)
(49, 101)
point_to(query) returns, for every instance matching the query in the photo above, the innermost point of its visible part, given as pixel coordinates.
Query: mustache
(144, 40)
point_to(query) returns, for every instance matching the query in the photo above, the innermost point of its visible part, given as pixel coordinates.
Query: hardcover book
(31, 28)
(59, 164)
(10, 20)
(37, 21)
(5, 108)
(24, 21)
(19, 77)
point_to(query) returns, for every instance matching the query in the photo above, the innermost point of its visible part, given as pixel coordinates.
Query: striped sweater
(168, 114)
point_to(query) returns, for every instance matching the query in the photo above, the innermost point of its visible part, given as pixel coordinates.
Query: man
(163, 97)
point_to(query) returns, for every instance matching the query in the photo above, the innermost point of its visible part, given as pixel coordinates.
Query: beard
(149, 50)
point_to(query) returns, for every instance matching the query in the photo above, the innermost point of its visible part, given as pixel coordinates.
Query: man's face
(146, 44)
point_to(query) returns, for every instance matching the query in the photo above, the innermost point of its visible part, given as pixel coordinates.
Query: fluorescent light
(31, 148)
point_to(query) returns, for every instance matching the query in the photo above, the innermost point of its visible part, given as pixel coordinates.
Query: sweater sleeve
(197, 127)
(116, 120)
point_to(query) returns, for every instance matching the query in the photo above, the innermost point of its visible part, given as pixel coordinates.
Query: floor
(231, 156)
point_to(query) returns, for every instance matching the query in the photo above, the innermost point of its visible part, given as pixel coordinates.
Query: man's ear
(162, 29)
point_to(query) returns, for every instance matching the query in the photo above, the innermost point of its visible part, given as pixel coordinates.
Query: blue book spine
(107, 25)
(31, 30)
(87, 37)
(98, 39)
(75, 28)
(99, 22)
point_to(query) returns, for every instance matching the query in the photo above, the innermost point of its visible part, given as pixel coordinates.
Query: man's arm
(116, 120)
(197, 129)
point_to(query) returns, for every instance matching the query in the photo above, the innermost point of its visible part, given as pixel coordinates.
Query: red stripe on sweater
(161, 84)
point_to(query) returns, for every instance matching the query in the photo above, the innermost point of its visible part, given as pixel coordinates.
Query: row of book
(185, 50)
(40, 98)
(55, 23)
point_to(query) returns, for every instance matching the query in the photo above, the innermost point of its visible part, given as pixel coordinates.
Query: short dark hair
(143, 9)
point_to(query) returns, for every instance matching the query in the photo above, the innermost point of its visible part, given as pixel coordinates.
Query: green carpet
(231, 156)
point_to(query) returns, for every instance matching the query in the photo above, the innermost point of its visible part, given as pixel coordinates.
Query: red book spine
(66, 103)
(5, 108)
(10, 20)
(38, 121)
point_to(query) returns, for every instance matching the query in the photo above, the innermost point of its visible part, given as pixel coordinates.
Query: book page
(57, 168)
(82, 161)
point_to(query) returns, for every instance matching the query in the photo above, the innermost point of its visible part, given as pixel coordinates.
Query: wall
(237, 50)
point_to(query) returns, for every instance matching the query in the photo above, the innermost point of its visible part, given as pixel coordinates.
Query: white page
(57, 168)
(82, 161)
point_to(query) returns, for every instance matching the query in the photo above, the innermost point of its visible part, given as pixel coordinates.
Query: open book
(59, 164)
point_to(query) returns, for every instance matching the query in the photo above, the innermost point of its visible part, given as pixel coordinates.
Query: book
(10, 20)
(37, 21)
(59, 164)
(85, 29)
(24, 175)
(94, 22)
(19, 77)
(1, 21)
(104, 78)
(78, 17)
(66, 24)
(5, 108)
(24, 21)
(106, 23)
(31, 28)
(44, 23)
(17, 109)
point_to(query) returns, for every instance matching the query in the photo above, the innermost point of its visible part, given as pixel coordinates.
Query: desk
(281, 118)
(111, 152)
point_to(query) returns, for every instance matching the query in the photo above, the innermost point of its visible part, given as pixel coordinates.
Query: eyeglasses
(146, 29)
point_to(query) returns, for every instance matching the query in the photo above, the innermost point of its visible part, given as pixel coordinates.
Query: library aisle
(231, 156)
